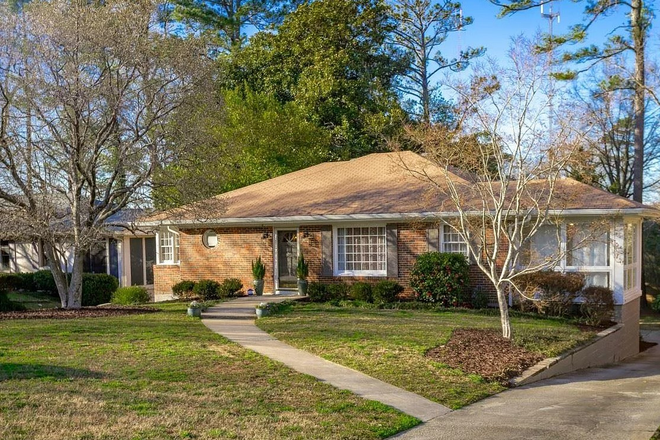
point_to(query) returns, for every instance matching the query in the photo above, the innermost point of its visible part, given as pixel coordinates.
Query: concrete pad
(616, 402)
(245, 333)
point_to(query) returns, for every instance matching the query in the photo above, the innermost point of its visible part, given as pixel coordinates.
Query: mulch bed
(486, 353)
(85, 312)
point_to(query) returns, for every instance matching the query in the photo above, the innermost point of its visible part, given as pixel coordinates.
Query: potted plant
(262, 309)
(195, 309)
(258, 272)
(302, 271)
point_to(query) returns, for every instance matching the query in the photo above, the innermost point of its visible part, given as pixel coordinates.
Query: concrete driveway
(620, 402)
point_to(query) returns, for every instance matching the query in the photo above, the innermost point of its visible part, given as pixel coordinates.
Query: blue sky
(495, 33)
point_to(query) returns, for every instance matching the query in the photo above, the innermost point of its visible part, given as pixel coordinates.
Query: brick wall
(411, 242)
(231, 258)
(237, 247)
(165, 276)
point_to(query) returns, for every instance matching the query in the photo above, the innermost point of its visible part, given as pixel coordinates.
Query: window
(210, 239)
(543, 246)
(630, 267)
(452, 242)
(168, 247)
(5, 256)
(361, 251)
(585, 247)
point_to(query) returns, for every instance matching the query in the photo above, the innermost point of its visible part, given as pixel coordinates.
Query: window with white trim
(168, 247)
(5, 256)
(452, 242)
(361, 251)
(543, 247)
(630, 266)
(588, 252)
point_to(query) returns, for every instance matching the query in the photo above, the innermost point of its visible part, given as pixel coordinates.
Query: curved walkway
(235, 321)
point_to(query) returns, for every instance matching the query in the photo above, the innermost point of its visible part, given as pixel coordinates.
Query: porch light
(266, 235)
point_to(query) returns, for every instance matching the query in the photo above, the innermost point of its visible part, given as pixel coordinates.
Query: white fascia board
(315, 219)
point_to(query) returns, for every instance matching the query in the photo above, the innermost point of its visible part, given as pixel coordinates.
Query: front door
(287, 259)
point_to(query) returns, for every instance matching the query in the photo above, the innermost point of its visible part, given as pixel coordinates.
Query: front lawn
(391, 344)
(34, 300)
(164, 376)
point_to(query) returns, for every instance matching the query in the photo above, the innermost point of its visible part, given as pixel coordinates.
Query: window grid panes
(169, 247)
(452, 242)
(630, 257)
(361, 249)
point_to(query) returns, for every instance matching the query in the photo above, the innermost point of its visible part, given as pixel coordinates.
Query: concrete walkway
(235, 321)
(620, 402)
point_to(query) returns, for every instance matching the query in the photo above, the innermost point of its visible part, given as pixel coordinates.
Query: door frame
(276, 270)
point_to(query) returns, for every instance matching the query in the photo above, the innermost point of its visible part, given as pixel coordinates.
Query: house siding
(231, 258)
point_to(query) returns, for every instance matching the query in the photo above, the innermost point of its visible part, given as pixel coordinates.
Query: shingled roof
(377, 184)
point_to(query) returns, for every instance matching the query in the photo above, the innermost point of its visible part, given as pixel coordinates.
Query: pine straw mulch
(486, 353)
(84, 312)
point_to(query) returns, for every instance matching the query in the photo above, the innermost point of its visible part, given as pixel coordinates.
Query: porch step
(247, 313)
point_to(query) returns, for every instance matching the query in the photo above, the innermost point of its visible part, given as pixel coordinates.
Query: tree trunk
(504, 312)
(74, 293)
(638, 34)
(58, 274)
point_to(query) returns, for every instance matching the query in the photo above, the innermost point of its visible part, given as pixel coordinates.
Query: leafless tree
(502, 184)
(86, 91)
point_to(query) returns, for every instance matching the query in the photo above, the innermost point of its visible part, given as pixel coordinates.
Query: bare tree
(608, 155)
(86, 90)
(422, 26)
(628, 38)
(504, 190)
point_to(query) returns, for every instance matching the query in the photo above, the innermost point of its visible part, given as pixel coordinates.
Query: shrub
(337, 291)
(317, 292)
(479, 299)
(27, 281)
(10, 281)
(131, 295)
(655, 305)
(8, 306)
(44, 281)
(183, 289)
(97, 288)
(386, 291)
(597, 305)
(550, 293)
(362, 291)
(440, 278)
(230, 287)
(207, 289)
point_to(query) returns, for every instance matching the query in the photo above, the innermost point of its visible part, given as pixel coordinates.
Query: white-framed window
(630, 266)
(360, 251)
(5, 256)
(168, 247)
(452, 242)
(543, 247)
(588, 252)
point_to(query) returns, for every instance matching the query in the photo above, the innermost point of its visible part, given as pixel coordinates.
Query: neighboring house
(124, 252)
(369, 219)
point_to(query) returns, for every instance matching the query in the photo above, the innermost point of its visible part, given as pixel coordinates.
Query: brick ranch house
(367, 219)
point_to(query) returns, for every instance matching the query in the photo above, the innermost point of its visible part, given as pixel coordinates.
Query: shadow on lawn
(38, 371)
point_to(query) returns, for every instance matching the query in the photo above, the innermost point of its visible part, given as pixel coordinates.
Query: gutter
(344, 218)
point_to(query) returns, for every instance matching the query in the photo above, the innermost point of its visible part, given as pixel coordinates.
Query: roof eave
(344, 218)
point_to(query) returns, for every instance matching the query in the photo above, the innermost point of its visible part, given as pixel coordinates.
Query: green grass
(164, 376)
(34, 300)
(391, 344)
